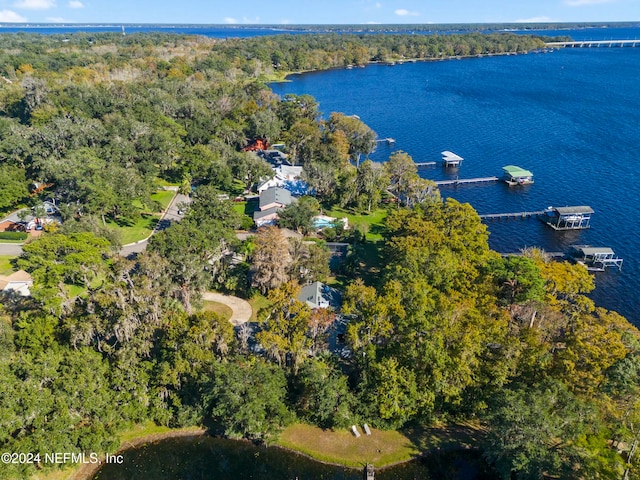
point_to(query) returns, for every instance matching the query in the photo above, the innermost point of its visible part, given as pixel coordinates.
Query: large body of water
(572, 117)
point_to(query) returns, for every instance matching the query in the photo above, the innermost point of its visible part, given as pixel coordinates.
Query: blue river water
(572, 117)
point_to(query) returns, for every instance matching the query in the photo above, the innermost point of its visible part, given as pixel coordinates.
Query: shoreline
(88, 471)
(284, 77)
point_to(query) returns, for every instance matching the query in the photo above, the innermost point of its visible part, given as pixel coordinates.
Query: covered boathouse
(514, 175)
(450, 159)
(597, 259)
(568, 218)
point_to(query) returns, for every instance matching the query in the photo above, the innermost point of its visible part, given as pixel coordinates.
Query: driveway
(241, 309)
(171, 214)
(10, 249)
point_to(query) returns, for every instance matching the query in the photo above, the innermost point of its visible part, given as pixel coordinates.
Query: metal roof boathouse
(450, 159)
(568, 218)
(597, 259)
(514, 175)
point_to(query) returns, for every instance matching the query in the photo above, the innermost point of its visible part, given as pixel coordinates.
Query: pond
(205, 457)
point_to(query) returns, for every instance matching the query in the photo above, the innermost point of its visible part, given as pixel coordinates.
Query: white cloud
(230, 20)
(76, 4)
(35, 4)
(56, 20)
(8, 16)
(581, 3)
(285, 21)
(402, 12)
(378, 5)
(250, 20)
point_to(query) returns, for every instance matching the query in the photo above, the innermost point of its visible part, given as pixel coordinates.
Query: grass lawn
(6, 268)
(257, 302)
(219, 308)
(140, 230)
(374, 220)
(163, 197)
(342, 447)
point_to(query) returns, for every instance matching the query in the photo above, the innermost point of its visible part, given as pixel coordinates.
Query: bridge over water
(594, 44)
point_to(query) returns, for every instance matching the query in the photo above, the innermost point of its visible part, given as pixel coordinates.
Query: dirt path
(241, 309)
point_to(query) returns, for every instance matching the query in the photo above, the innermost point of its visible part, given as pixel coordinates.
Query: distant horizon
(573, 24)
(329, 12)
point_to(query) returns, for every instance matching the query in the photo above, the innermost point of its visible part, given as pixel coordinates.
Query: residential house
(271, 201)
(18, 282)
(283, 176)
(320, 295)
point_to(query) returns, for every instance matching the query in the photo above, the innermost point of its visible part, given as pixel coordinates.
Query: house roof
(258, 214)
(319, 295)
(275, 195)
(17, 277)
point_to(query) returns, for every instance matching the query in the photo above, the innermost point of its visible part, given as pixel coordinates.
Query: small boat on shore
(514, 176)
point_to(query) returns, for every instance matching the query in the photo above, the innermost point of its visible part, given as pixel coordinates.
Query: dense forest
(442, 330)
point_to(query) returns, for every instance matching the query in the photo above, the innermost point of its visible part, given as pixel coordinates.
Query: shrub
(13, 235)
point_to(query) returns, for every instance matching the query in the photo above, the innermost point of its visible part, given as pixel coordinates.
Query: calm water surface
(206, 458)
(572, 117)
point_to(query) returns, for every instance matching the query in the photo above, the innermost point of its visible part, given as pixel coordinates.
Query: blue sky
(317, 11)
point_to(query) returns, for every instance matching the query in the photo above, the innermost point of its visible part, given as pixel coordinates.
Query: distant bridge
(595, 43)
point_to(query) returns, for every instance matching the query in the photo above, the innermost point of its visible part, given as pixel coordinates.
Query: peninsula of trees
(439, 328)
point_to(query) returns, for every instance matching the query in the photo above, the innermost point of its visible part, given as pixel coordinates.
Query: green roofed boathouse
(514, 175)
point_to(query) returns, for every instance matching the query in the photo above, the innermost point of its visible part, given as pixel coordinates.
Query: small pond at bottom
(207, 458)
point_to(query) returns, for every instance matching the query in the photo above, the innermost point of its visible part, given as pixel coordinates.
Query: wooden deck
(464, 181)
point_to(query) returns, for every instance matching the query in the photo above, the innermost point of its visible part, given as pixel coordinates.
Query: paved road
(10, 249)
(170, 215)
(241, 309)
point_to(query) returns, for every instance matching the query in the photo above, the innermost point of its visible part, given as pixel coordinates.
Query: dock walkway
(462, 181)
(499, 216)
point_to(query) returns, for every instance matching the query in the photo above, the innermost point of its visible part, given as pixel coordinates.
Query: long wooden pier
(499, 216)
(425, 164)
(461, 181)
(595, 43)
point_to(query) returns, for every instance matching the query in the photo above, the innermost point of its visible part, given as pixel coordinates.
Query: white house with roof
(282, 175)
(19, 282)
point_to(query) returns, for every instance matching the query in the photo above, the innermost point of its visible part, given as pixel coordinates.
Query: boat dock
(460, 181)
(502, 216)
(387, 140)
(558, 218)
(425, 164)
(450, 159)
(596, 259)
